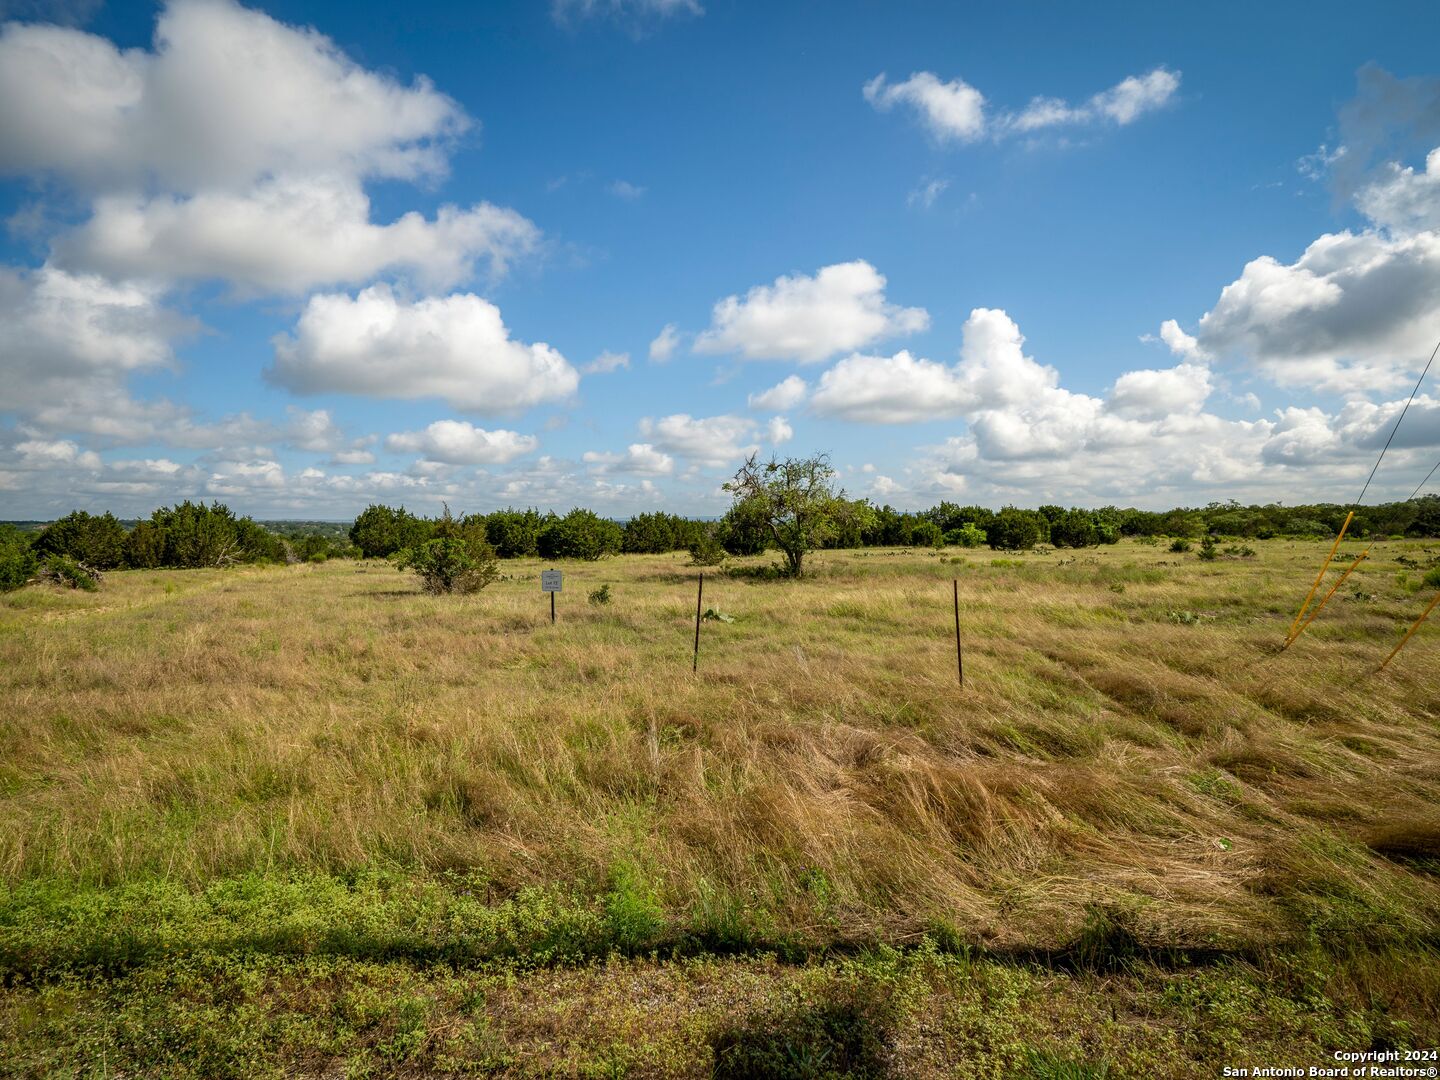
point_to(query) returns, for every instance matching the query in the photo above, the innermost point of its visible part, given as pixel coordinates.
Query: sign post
(699, 592)
(959, 656)
(550, 581)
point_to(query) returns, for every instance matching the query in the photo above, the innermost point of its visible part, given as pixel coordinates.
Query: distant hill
(338, 530)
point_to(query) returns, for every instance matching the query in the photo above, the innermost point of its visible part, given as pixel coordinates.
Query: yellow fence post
(1319, 578)
(1294, 637)
(1410, 633)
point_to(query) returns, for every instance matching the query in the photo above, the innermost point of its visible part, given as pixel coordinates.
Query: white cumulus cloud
(713, 440)
(1154, 394)
(785, 394)
(1135, 96)
(890, 390)
(809, 319)
(950, 110)
(1178, 341)
(663, 347)
(457, 442)
(641, 459)
(353, 457)
(237, 149)
(1026, 437)
(1402, 198)
(455, 347)
(227, 96)
(66, 339)
(56, 452)
(289, 234)
(314, 430)
(607, 362)
(1355, 312)
(956, 111)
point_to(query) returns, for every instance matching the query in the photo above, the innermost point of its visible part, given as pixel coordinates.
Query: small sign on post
(550, 581)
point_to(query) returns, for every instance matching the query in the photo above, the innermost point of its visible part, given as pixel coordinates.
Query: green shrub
(600, 595)
(1207, 549)
(745, 529)
(950, 517)
(447, 566)
(1015, 530)
(1432, 577)
(64, 570)
(1307, 527)
(94, 541)
(706, 549)
(1179, 522)
(194, 535)
(926, 534)
(17, 558)
(198, 535)
(381, 531)
(1179, 544)
(515, 533)
(144, 547)
(1109, 524)
(657, 533)
(1075, 529)
(853, 521)
(257, 543)
(1427, 516)
(968, 535)
(580, 534)
(458, 558)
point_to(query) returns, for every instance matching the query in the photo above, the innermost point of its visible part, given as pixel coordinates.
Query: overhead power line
(1396, 428)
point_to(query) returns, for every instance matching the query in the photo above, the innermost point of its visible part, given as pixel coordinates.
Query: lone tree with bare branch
(796, 500)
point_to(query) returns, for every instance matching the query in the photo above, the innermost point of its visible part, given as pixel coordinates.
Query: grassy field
(309, 821)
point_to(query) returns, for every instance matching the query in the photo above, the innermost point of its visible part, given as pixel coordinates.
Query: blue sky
(309, 256)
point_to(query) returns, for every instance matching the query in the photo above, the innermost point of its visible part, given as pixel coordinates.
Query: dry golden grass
(1128, 747)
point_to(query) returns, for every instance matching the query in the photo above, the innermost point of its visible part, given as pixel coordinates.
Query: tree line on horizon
(194, 534)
